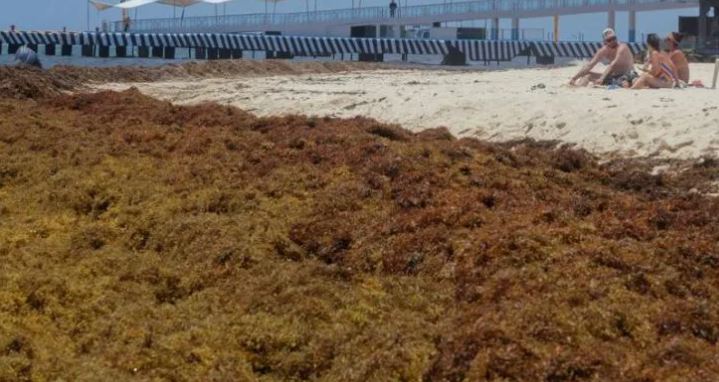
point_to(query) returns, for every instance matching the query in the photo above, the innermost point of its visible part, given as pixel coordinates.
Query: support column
(515, 29)
(495, 28)
(169, 53)
(555, 28)
(612, 19)
(66, 50)
(703, 10)
(88, 51)
(632, 26)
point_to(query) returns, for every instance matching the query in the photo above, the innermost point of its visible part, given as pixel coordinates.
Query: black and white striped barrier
(476, 50)
(576, 49)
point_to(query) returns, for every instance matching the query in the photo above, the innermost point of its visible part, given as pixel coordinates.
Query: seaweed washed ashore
(140, 240)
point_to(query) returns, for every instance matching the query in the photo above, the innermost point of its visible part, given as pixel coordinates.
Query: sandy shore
(492, 105)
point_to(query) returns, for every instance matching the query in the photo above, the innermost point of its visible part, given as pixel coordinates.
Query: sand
(494, 105)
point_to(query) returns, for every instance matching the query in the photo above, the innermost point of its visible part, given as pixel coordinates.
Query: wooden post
(556, 28)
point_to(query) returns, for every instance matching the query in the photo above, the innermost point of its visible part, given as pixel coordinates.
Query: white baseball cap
(609, 33)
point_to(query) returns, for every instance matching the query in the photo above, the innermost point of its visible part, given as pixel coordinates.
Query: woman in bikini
(677, 56)
(660, 70)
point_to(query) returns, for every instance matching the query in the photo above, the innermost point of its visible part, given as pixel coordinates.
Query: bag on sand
(27, 56)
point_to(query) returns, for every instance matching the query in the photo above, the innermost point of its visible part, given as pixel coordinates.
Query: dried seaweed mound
(24, 82)
(31, 83)
(146, 241)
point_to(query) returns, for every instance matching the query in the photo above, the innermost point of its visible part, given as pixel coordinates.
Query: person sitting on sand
(660, 70)
(619, 69)
(677, 56)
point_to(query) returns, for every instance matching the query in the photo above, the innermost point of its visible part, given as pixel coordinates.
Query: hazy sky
(54, 14)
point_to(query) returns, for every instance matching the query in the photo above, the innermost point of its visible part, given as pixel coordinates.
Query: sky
(56, 14)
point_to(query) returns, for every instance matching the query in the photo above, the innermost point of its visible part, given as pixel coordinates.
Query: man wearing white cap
(617, 57)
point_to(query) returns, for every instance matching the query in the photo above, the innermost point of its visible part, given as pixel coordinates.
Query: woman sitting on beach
(677, 56)
(660, 70)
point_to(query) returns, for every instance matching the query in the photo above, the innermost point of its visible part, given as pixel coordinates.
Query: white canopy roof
(130, 4)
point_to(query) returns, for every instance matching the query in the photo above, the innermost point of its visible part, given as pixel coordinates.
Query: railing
(340, 16)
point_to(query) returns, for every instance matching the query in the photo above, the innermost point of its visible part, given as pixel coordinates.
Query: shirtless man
(620, 61)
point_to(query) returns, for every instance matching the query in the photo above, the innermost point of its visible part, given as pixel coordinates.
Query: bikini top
(663, 67)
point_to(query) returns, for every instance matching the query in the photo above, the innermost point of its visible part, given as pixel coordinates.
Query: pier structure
(339, 22)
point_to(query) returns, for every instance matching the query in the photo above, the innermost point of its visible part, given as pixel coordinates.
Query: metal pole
(88, 16)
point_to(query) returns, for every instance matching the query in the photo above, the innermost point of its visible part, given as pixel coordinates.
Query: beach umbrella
(130, 4)
(126, 5)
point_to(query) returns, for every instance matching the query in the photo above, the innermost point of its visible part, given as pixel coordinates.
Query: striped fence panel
(476, 50)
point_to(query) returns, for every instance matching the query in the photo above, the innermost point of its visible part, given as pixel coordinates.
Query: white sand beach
(495, 105)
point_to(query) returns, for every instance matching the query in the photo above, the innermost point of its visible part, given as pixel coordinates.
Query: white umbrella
(130, 4)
